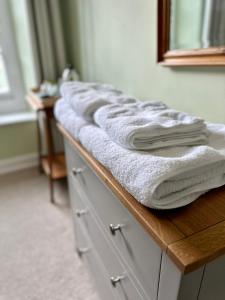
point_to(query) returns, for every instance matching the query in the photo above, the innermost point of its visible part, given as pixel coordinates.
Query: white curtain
(47, 38)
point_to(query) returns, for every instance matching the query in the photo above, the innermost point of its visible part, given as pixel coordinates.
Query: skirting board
(18, 163)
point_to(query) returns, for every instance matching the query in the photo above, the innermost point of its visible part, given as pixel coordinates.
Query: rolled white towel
(166, 178)
(86, 98)
(70, 88)
(68, 118)
(150, 125)
(88, 102)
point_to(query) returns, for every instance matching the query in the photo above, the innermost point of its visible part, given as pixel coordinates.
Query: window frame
(214, 56)
(14, 100)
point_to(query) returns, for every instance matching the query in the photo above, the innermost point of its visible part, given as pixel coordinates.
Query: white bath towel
(150, 125)
(166, 178)
(68, 89)
(85, 98)
(68, 118)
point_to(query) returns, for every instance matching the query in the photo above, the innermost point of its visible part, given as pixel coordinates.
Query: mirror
(191, 32)
(197, 24)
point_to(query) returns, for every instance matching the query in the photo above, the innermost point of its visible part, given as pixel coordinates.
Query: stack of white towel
(166, 178)
(86, 98)
(151, 125)
(177, 166)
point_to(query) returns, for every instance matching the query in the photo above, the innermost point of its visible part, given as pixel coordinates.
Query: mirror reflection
(197, 24)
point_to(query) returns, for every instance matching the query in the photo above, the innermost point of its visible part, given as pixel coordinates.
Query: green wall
(115, 41)
(17, 139)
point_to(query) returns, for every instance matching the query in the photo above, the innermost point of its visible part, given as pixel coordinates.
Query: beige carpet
(37, 257)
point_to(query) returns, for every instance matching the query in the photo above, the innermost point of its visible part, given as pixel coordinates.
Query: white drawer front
(84, 218)
(94, 264)
(136, 247)
(126, 287)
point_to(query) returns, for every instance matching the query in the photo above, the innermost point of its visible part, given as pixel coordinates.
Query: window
(11, 80)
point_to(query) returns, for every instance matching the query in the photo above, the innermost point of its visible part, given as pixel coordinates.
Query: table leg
(39, 143)
(50, 154)
(51, 189)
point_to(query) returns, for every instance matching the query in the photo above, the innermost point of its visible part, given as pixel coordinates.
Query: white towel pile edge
(163, 179)
(166, 178)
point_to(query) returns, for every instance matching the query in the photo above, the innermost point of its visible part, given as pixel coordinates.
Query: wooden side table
(52, 163)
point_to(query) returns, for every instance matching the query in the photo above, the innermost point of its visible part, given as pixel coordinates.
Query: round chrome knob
(77, 171)
(82, 251)
(116, 280)
(81, 212)
(114, 228)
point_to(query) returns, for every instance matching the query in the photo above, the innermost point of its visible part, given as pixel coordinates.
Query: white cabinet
(125, 261)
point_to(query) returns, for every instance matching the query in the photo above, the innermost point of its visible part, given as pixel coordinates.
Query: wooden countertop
(191, 236)
(40, 104)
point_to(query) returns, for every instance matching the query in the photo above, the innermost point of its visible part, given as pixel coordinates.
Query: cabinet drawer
(138, 250)
(91, 259)
(127, 287)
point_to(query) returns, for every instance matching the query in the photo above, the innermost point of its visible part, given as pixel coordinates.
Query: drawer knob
(82, 251)
(81, 212)
(116, 280)
(77, 171)
(114, 228)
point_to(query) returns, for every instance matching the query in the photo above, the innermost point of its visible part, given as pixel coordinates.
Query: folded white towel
(165, 178)
(70, 88)
(85, 98)
(150, 125)
(68, 118)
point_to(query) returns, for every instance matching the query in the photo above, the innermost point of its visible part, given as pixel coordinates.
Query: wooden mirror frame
(214, 56)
